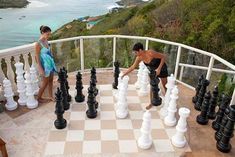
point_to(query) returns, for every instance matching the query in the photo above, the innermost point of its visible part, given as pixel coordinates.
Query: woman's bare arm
(133, 66)
(37, 56)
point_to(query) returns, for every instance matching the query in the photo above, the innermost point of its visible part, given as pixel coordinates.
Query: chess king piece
(145, 140)
(79, 97)
(201, 94)
(91, 102)
(139, 75)
(170, 85)
(60, 122)
(62, 81)
(144, 83)
(213, 103)
(34, 78)
(8, 93)
(31, 101)
(170, 119)
(179, 140)
(223, 144)
(21, 88)
(199, 85)
(219, 115)
(69, 97)
(203, 117)
(154, 81)
(116, 74)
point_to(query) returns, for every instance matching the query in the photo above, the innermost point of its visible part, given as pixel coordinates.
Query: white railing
(12, 55)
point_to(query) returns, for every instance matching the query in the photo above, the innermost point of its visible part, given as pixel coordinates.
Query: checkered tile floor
(107, 134)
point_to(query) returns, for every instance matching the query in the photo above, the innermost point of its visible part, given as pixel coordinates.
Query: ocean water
(21, 26)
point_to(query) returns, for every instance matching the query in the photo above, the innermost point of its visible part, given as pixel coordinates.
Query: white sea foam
(36, 4)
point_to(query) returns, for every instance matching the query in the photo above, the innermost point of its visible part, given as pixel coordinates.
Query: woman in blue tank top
(153, 60)
(46, 64)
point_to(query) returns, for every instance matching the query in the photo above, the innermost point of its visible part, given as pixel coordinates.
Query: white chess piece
(34, 78)
(145, 140)
(170, 119)
(8, 93)
(121, 106)
(31, 101)
(179, 139)
(21, 88)
(144, 83)
(118, 86)
(139, 75)
(170, 85)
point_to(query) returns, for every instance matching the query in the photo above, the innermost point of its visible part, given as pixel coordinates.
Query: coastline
(13, 4)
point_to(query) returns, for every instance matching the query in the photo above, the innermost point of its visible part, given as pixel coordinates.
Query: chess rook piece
(34, 78)
(170, 119)
(213, 103)
(21, 88)
(69, 97)
(144, 83)
(154, 81)
(116, 74)
(219, 115)
(145, 140)
(218, 134)
(201, 94)
(8, 93)
(199, 85)
(62, 80)
(203, 117)
(31, 101)
(139, 75)
(170, 85)
(60, 122)
(223, 144)
(179, 140)
(91, 102)
(79, 97)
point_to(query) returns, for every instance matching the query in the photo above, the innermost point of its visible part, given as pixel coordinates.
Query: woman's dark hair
(138, 46)
(45, 29)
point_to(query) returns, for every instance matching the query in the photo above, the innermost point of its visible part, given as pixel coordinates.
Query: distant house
(115, 8)
(92, 21)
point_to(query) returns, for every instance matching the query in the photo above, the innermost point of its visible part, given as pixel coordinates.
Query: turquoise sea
(21, 26)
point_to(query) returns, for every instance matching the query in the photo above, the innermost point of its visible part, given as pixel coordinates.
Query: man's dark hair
(138, 46)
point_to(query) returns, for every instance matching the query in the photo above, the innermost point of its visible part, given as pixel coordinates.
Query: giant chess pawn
(116, 74)
(144, 83)
(62, 81)
(139, 75)
(21, 88)
(31, 101)
(121, 106)
(199, 85)
(203, 117)
(170, 119)
(69, 97)
(79, 97)
(201, 94)
(170, 85)
(179, 140)
(154, 81)
(223, 144)
(145, 140)
(60, 122)
(213, 103)
(8, 93)
(91, 112)
(34, 78)
(219, 115)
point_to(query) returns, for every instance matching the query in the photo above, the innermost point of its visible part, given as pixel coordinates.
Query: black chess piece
(218, 134)
(202, 92)
(116, 74)
(203, 117)
(156, 100)
(213, 103)
(219, 115)
(199, 85)
(60, 122)
(223, 144)
(69, 97)
(93, 74)
(94, 91)
(79, 97)
(62, 80)
(91, 112)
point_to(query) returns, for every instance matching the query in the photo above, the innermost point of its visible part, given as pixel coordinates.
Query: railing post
(177, 61)
(233, 98)
(146, 44)
(209, 71)
(82, 55)
(114, 49)
(181, 73)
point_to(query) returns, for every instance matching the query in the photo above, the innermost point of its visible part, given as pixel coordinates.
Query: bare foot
(43, 100)
(149, 107)
(51, 99)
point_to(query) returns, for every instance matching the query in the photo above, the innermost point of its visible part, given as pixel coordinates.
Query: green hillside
(13, 3)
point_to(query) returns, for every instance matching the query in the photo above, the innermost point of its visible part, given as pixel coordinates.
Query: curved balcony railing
(181, 58)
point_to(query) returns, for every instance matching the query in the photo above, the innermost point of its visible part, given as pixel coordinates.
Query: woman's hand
(158, 70)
